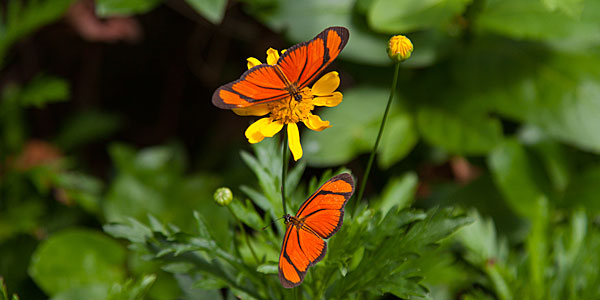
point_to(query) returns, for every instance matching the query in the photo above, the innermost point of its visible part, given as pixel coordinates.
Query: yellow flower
(399, 48)
(290, 111)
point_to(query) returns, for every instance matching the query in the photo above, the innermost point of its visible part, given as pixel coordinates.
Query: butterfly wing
(322, 215)
(302, 63)
(301, 249)
(262, 83)
(323, 212)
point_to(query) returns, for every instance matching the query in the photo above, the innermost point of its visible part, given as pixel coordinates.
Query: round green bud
(223, 196)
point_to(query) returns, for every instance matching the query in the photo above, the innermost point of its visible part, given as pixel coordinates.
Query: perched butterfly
(318, 218)
(297, 67)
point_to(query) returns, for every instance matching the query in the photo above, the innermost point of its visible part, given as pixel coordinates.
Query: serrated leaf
(246, 213)
(131, 230)
(481, 241)
(201, 226)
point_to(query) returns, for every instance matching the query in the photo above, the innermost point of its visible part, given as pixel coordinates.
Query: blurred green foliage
(511, 87)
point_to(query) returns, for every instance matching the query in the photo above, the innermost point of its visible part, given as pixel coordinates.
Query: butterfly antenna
(272, 223)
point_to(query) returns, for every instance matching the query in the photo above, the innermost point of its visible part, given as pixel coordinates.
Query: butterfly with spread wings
(280, 88)
(318, 218)
(295, 70)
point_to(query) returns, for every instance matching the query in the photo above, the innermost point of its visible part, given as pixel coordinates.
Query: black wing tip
(343, 32)
(288, 284)
(218, 102)
(347, 177)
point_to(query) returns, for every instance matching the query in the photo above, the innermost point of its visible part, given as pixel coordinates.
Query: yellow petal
(253, 133)
(328, 100)
(271, 129)
(314, 122)
(326, 84)
(272, 56)
(294, 140)
(252, 62)
(256, 110)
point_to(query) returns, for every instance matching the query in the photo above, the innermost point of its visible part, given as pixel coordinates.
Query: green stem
(245, 236)
(385, 114)
(500, 285)
(284, 168)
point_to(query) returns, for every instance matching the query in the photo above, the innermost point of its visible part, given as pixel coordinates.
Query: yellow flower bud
(223, 196)
(399, 48)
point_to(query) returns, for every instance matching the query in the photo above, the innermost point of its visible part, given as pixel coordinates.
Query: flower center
(289, 110)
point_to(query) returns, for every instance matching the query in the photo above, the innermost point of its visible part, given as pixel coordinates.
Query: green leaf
(538, 247)
(555, 157)
(399, 138)
(399, 253)
(81, 189)
(4, 293)
(268, 268)
(107, 8)
(246, 213)
(397, 16)
(201, 226)
(572, 8)
(44, 89)
(75, 258)
(513, 173)
(583, 190)
(481, 241)
(345, 140)
(132, 290)
(23, 18)
(209, 283)
(557, 92)
(212, 10)
(458, 133)
(90, 291)
(86, 127)
(545, 19)
(399, 193)
(131, 230)
(303, 20)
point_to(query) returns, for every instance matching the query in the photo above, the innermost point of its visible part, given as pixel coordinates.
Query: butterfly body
(318, 218)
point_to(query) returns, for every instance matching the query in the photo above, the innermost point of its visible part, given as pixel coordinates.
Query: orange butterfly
(319, 217)
(297, 67)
